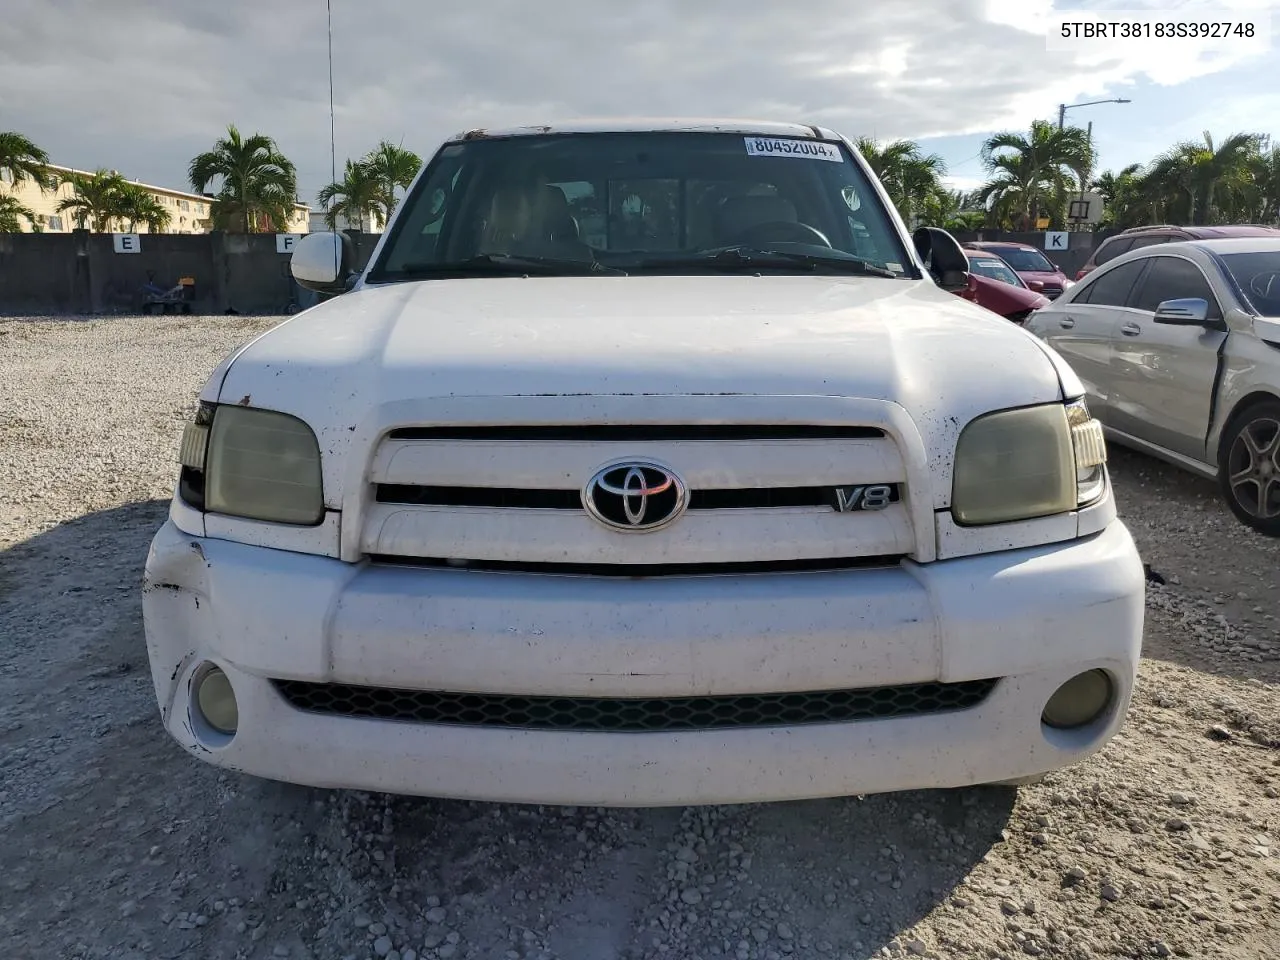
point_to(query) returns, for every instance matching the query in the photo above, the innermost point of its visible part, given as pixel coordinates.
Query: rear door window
(1113, 288)
(1150, 241)
(1111, 249)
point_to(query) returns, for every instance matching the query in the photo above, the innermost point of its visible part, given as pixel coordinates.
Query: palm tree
(98, 199)
(352, 197)
(953, 210)
(1125, 197)
(12, 213)
(1015, 189)
(139, 205)
(258, 185)
(1040, 168)
(20, 160)
(390, 166)
(1267, 178)
(909, 176)
(1204, 178)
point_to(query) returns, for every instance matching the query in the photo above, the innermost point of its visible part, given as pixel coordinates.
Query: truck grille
(757, 493)
(594, 714)
(759, 498)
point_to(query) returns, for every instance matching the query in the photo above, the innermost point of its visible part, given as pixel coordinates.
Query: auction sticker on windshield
(808, 149)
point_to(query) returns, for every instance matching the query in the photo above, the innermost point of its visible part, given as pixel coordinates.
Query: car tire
(1249, 466)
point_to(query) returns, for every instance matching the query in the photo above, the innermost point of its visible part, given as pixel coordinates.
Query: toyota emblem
(635, 496)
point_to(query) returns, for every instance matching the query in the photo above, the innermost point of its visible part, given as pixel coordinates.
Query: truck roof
(760, 128)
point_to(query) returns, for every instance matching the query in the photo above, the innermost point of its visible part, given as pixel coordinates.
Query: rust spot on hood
(244, 401)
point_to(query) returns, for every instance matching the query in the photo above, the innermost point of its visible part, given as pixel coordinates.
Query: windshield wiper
(505, 263)
(737, 257)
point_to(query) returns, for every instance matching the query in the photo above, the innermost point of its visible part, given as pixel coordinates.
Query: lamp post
(1062, 114)
(1064, 107)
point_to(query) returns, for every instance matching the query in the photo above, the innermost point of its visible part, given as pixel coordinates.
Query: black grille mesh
(630, 714)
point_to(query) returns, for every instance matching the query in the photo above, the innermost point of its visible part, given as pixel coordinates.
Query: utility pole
(1062, 113)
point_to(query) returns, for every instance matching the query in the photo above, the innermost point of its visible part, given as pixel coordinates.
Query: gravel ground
(116, 844)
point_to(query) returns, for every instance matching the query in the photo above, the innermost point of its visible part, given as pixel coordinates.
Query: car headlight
(256, 464)
(1028, 463)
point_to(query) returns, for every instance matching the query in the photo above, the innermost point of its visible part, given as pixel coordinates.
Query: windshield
(995, 269)
(1027, 260)
(641, 203)
(1258, 276)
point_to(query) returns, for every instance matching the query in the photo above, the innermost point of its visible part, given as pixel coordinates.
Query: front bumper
(1034, 618)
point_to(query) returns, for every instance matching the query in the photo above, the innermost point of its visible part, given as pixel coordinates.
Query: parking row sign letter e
(126, 243)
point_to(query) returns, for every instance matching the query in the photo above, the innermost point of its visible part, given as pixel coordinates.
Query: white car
(737, 503)
(1178, 346)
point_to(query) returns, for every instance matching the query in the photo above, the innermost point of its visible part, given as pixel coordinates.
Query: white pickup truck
(646, 463)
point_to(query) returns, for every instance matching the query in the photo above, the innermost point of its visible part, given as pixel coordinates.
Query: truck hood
(411, 344)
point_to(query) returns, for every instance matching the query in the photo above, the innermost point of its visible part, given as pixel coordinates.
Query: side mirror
(943, 256)
(1189, 312)
(322, 262)
(1035, 286)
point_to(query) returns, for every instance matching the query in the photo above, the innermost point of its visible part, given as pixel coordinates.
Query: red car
(1031, 265)
(994, 284)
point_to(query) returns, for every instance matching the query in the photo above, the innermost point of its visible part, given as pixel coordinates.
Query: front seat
(534, 222)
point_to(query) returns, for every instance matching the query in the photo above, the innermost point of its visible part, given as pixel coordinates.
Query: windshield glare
(638, 202)
(995, 269)
(1027, 260)
(1258, 276)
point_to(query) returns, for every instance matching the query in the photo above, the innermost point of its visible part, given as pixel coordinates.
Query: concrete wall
(49, 276)
(80, 272)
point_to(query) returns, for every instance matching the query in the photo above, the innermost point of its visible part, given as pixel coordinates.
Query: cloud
(143, 85)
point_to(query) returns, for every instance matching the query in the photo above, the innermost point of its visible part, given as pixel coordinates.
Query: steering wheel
(1266, 285)
(783, 231)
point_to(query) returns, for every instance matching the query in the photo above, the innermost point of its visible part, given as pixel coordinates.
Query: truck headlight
(1027, 463)
(1089, 447)
(256, 464)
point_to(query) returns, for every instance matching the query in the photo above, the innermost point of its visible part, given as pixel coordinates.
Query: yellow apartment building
(189, 212)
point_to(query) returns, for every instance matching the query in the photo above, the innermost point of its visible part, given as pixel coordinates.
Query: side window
(1112, 288)
(1172, 278)
(1150, 241)
(1111, 249)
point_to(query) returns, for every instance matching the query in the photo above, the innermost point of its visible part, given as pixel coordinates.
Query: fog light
(217, 701)
(1079, 701)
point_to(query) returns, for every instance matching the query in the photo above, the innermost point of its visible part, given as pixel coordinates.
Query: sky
(141, 86)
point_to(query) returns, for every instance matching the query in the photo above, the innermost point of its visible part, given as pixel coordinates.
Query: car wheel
(1249, 467)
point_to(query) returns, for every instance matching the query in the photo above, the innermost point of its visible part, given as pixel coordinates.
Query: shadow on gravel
(839, 877)
(110, 859)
